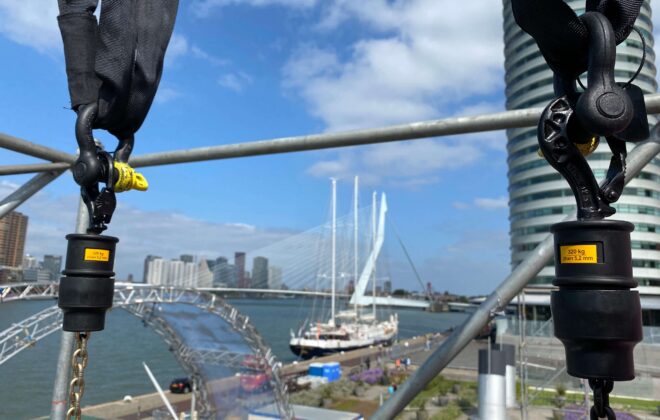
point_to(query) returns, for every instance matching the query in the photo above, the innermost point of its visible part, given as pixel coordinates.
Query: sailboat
(350, 329)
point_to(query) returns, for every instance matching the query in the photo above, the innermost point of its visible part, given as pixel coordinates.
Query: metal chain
(601, 408)
(77, 385)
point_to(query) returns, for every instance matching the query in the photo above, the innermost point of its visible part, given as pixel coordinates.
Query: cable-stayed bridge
(302, 264)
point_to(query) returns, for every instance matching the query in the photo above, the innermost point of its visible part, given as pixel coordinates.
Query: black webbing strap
(119, 61)
(562, 36)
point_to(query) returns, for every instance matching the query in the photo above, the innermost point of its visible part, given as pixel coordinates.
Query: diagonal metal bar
(26, 191)
(32, 168)
(33, 149)
(639, 157)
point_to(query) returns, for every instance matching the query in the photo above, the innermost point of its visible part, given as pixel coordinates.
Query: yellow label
(579, 254)
(93, 254)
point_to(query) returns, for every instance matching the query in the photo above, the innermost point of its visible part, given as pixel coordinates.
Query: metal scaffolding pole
(26, 191)
(423, 129)
(32, 149)
(60, 401)
(641, 155)
(418, 130)
(32, 168)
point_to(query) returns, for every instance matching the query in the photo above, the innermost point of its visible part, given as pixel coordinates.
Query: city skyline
(192, 271)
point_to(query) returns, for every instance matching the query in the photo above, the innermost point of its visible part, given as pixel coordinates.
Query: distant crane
(428, 289)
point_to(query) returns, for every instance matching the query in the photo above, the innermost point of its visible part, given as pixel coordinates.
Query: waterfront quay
(542, 354)
(463, 368)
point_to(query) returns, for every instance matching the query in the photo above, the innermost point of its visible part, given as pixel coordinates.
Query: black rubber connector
(596, 315)
(86, 291)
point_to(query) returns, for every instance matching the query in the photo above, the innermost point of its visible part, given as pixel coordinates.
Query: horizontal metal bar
(26, 191)
(445, 127)
(32, 168)
(424, 129)
(33, 149)
(639, 157)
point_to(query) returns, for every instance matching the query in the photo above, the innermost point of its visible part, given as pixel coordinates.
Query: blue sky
(243, 70)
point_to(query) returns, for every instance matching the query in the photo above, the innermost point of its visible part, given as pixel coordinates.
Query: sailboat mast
(355, 239)
(334, 247)
(373, 245)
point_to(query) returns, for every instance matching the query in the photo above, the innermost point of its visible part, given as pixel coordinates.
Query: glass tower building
(538, 195)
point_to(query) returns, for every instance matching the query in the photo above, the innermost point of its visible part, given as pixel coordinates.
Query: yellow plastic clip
(589, 147)
(128, 179)
(585, 148)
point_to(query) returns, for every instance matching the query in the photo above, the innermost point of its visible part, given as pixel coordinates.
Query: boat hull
(309, 352)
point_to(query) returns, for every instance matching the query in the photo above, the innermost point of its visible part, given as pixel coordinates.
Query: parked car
(180, 386)
(255, 375)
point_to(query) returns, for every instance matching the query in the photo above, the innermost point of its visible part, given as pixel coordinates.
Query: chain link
(77, 385)
(601, 408)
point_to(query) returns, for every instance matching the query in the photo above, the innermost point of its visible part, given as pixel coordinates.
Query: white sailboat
(349, 329)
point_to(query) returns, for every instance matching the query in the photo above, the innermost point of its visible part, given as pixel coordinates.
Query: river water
(116, 354)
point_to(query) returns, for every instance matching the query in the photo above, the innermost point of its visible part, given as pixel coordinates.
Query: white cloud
(140, 232)
(483, 203)
(338, 168)
(412, 69)
(166, 94)
(7, 186)
(180, 47)
(177, 48)
(411, 164)
(492, 203)
(197, 52)
(31, 22)
(235, 81)
(203, 8)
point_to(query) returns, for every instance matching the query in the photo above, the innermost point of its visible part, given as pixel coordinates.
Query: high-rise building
(147, 260)
(387, 287)
(156, 271)
(224, 274)
(187, 258)
(203, 276)
(53, 265)
(274, 277)
(350, 287)
(29, 261)
(260, 273)
(538, 195)
(239, 262)
(13, 228)
(35, 274)
(178, 273)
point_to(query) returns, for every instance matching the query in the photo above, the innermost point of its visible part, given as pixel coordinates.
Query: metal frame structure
(642, 154)
(140, 300)
(25, 334)
(28, 291)
(35, 291)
